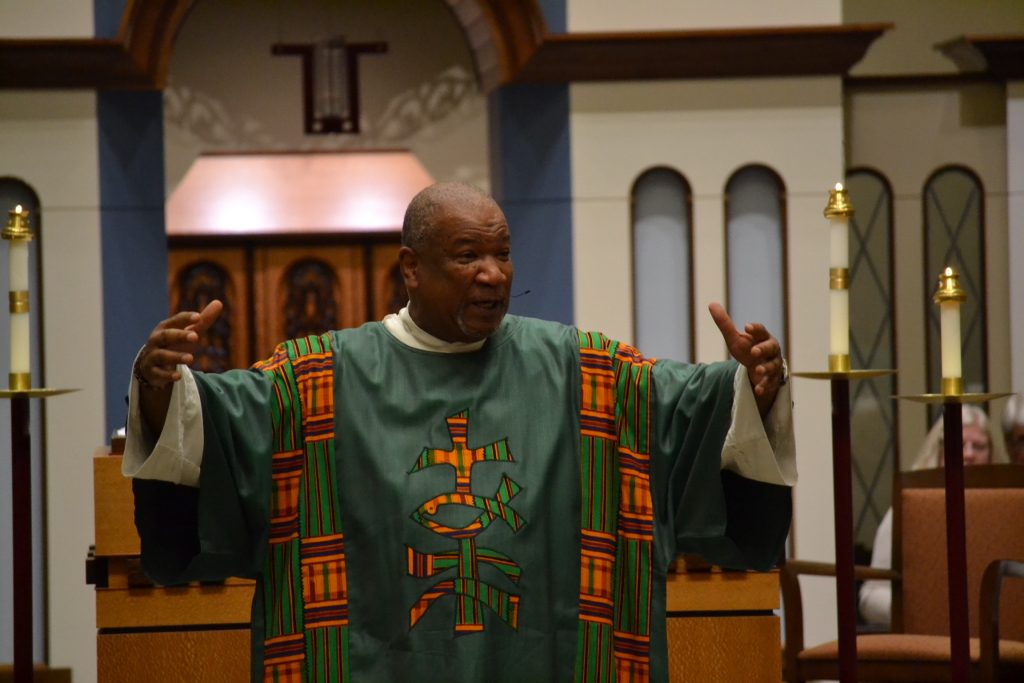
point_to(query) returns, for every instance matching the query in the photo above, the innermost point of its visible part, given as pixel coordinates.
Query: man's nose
(491, 272)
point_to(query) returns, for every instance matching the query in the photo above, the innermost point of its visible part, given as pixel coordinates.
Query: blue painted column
(133, 239)
(106, 16)
(531, 179)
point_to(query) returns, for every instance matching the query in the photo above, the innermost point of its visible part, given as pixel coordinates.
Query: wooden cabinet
(722, 627)
(155, 633)
(278, 291)
(305, 290)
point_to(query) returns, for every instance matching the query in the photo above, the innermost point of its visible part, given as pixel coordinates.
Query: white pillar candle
(839, 329)
(19, 343)
(17, 270)
(949, 332)
(18, 263)
(839, 260)
(840, 242)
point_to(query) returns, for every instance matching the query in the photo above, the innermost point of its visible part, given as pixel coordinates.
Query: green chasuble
(507, 514)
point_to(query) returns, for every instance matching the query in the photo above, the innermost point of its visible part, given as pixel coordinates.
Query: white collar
(403, 328)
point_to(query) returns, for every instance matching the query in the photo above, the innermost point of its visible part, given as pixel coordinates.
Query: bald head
(425, 207)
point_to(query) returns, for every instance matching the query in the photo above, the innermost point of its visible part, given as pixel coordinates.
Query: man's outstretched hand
(757, 350)
(171, 343)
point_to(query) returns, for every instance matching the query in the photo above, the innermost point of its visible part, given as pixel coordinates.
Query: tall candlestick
(838, 211)
(949, 297)
(18, 234)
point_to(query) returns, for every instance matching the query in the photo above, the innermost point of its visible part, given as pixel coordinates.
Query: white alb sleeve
(176, 455)
(762, 450)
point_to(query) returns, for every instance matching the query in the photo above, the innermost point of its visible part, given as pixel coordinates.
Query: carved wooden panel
(196, 277)
(306, 290)
(389, 294)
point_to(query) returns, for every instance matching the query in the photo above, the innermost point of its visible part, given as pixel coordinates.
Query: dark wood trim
(1002, 476)
(1000, 56)
(368, 280)
(906, 81)
(303, 152)
(502, 36)
(517, 29)
(509, 41)
(136, 59)
(783, 51)
(249, 259)
(253, 240)
(101, 64)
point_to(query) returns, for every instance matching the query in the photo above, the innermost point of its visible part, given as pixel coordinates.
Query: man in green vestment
(454, 493)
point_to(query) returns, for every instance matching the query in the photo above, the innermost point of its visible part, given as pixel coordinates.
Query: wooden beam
(783, 51)
(1002, 56)
(514, 48)
(136, 59)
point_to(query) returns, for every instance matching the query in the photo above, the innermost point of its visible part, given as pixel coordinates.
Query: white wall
(49, 140)
(659, 15)
(1015, 220)
(46, 19)
(706, 130)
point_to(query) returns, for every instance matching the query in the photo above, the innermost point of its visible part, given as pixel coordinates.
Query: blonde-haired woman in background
(980, 448)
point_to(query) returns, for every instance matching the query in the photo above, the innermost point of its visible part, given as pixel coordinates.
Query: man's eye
(465, 257)
(505, 255)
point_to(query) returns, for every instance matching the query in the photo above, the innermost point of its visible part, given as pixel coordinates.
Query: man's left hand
(757, 350)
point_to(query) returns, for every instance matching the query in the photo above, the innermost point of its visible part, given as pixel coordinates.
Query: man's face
(1015, 444)
(459, 282)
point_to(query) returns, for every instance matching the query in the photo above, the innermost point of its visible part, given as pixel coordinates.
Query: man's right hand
(171, 344)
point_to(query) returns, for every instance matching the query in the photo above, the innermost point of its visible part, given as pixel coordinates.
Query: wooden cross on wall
(335, 122)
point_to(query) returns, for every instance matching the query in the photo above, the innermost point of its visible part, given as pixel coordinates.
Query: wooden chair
(918, 649)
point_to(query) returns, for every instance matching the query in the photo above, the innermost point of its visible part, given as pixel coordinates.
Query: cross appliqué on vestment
(471, 593)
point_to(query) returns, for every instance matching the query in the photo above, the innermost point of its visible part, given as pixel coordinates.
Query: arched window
(872, 345)
(954, 235)
(755, 213)
(12, 193)
(662, 264)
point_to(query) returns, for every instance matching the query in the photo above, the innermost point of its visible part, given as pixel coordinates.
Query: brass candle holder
(839, 206)
(839, 211)
(18, 234)
(949, 296)
(840, 375)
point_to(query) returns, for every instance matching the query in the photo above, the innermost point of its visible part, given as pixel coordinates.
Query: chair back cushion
(995, 530)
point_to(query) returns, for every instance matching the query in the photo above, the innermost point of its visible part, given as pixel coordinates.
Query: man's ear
(408, 264)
